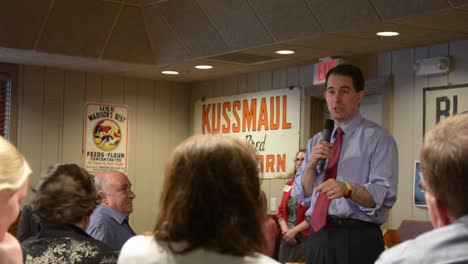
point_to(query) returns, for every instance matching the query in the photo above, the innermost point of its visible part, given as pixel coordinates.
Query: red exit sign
(321, 69)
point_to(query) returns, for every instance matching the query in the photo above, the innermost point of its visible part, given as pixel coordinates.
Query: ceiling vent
(244, 58)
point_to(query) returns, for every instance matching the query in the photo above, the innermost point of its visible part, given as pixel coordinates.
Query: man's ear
(439, 214)
(361, 95)
(102, 195)
(84, 222)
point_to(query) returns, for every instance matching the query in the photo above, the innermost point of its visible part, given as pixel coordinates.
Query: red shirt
(283, 212)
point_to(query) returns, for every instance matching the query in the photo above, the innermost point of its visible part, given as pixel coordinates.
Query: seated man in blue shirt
(109, 221)
(444, 179)
(350, 197)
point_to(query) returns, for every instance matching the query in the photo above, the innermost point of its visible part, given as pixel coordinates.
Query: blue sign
(419, 198)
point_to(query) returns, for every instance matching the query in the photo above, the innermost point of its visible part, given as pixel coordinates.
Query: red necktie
(319, 215)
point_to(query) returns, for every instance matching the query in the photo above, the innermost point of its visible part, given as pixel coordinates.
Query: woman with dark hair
(64, 200)
(210, 209)
(14, 173)
(291, 218)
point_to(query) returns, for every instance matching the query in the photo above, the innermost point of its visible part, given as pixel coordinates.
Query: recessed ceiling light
(388, 33)
(170, 72)
(284, 52)
(204, 67)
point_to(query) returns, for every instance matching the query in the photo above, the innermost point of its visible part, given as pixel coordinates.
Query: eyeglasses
(297, 159)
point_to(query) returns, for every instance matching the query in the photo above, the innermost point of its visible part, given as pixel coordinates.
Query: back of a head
(444, 165)
(65, 194)
(14, 170)
(351, 71)
(211, 197)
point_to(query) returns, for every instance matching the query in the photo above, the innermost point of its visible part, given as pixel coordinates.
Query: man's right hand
(320, 151)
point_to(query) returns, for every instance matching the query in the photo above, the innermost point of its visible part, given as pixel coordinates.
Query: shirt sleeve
(99, 232)
(383, 176)
(400, 253)
(280, 216)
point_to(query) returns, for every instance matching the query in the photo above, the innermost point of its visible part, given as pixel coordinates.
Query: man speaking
(351, 195)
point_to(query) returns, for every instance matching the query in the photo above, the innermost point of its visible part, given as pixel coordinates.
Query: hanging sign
(269, 121)
(106, 137)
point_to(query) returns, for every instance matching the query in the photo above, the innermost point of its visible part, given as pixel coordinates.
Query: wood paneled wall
(407, 111)
(50, 125)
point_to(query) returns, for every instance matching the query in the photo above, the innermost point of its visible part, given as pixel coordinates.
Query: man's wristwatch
(349, 189)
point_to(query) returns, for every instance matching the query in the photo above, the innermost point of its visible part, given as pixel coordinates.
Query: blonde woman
(14, 173)
(210, 208)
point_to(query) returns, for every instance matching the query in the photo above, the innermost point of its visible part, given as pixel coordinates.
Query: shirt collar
(118, 216)
(349, 127)
(49, 228)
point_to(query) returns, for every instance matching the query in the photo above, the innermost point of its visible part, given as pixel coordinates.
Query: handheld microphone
(326, 135)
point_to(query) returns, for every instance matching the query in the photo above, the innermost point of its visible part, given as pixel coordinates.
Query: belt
(348, 222)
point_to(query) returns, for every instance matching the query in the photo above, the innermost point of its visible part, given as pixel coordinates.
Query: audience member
(209, 208)
(291, 217)
(351, 197)
(270, 230)
(444, 179)
(64, 200)
(14, 173)
(110, 221)
(28, 225)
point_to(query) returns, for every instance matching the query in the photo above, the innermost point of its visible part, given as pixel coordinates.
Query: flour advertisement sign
(269, 121)
(106, 137)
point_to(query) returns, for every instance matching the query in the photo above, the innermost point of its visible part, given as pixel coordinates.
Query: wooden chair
(408, 229)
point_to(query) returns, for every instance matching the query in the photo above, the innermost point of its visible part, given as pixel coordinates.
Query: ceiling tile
(286, 19)
(341, 15)
(236, 22)
(244, 58)
(459, 4)
(21, 22)
(152, 2)
(129, 40)
(410, 35)
(166, 45)
(192, 27)
(78, 28)
(340, 45)
(133, 2)
(393, 9)
(301, 52)
(452, 20)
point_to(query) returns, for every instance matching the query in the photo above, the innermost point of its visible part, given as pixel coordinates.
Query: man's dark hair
(351, 71)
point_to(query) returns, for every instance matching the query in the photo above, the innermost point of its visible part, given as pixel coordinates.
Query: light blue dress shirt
(369, 157)
(109, 226)
(446, 244)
